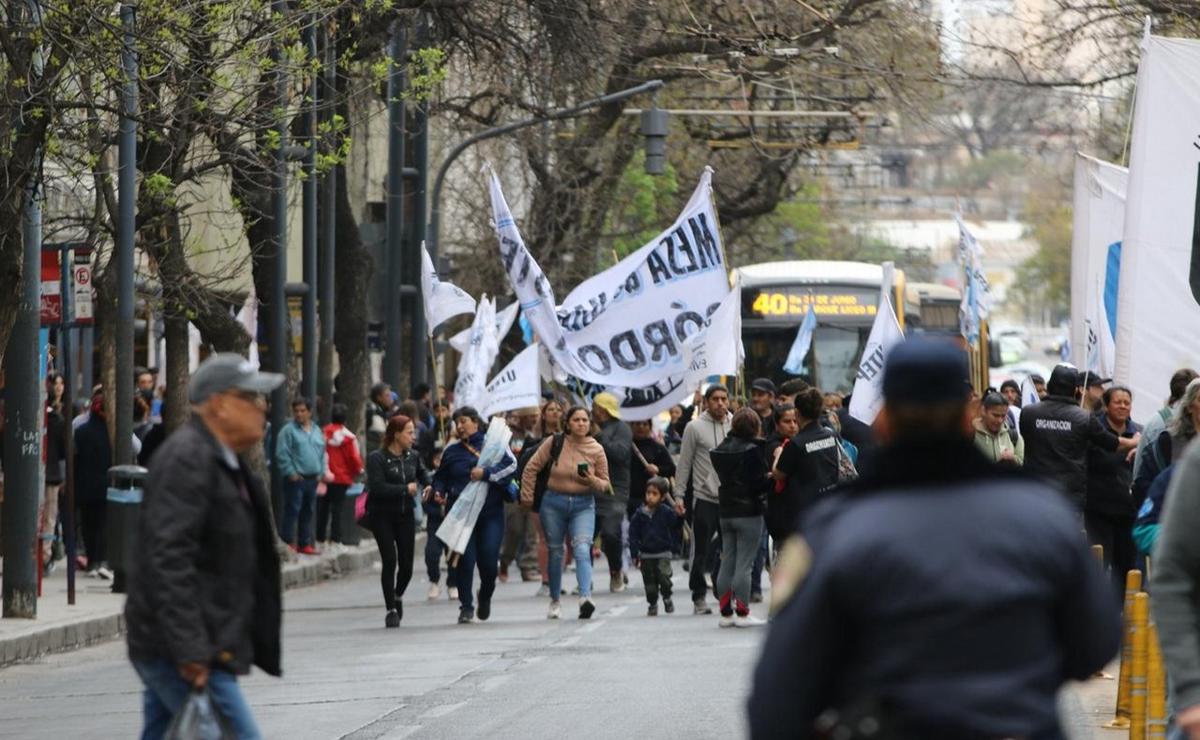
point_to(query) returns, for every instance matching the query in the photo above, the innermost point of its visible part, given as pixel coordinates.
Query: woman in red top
(345, 464)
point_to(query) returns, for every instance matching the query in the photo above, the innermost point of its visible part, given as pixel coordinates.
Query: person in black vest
(937, 595)
(1110, 509)
(806, 467)
(1058, 433)
(93, 458)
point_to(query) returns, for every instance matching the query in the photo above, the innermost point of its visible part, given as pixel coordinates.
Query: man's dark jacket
(655, 454)
(616, 438)
(955, 597)
(1057, 436)
(205, 586)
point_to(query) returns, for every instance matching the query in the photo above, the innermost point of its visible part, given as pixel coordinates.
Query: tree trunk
(352, 279)
(175, 403)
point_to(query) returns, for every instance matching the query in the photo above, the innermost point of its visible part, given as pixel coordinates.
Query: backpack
(543, 476)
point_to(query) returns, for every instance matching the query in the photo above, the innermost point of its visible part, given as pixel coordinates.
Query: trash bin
(351, 532)
(125, 484)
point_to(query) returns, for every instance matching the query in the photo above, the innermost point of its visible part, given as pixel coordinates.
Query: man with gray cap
(204, 599)
(939, 596)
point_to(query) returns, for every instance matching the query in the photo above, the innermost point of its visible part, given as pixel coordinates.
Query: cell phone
(582, 470)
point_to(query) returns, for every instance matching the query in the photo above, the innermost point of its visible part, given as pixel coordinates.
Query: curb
(61, 638)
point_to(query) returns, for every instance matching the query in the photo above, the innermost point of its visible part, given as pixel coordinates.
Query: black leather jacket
(742, 471)
(1057, 436)
(205, 586)
(388, 477)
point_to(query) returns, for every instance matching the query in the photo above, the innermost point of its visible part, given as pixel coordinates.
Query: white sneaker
(748, 621)
(434, 591)
(726, 621)
(104, 573)
(555, 610)
(452, 593)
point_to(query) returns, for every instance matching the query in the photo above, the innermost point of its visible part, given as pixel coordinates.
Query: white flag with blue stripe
(794, 364)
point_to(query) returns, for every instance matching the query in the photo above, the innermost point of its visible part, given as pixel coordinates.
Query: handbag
(543, 476)
(359, 492)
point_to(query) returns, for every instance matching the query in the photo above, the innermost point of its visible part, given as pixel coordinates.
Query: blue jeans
(575, 514)
(435, 549)
(299, 504)
(166, 692)
(484, 550)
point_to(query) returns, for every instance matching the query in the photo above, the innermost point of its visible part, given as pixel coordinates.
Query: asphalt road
(621, 674)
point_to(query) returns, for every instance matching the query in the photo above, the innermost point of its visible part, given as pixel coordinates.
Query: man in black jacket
(204, 593)
(940, 595)
(617, 440)
(650, 459)
(1058, 433)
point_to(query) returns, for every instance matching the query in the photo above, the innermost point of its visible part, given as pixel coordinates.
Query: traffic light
(654, 128)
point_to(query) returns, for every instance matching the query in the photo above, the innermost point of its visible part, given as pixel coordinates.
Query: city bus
(932, 307)
(845, 296)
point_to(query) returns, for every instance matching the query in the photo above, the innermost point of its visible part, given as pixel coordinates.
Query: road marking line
(494, 683)
(443, 710)
(568, 642)
(400, 733)
(617, 611)
(592, 627)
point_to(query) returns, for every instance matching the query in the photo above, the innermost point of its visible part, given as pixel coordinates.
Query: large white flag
(626, 326)
(1099, 220)
(470, 386)
(867, 398)
(517, 386)
(442, 300)
(504, 322)
(1158, 308)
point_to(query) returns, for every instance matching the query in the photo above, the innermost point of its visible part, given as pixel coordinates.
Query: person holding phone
(569, 506)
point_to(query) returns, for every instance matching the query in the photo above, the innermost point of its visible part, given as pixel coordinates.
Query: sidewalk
(97, 614)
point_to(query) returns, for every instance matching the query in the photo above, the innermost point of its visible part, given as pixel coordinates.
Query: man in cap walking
(938, 596)
(204, 599)
(617, 440)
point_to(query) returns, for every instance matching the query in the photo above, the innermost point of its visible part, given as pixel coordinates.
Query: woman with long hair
(396, 479)
(569, 505)
(550, 419)
(1168, 446)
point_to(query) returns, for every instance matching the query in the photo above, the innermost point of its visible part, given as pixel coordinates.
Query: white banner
(867, 398)
(625, 326)
(504, 322)
(459, 524)
(714, 350)
(1160, 257)
(1099, 220)
(442, 300)
(517, 386)
(469, 387)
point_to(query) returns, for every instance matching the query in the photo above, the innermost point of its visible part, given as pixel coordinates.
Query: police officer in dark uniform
(1058, 433)
(939, 595)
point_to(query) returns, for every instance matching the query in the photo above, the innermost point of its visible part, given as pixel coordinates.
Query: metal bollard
(1156, 688)
(1120, 721)
(1137, 679)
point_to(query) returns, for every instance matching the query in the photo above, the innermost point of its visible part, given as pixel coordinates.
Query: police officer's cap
(926, 371)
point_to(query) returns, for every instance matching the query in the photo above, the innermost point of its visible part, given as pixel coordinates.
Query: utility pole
(328, 253)
(126, 201)
(394, 246)
(420, 163)
(277, 322)
(23, 404)
(312, 279)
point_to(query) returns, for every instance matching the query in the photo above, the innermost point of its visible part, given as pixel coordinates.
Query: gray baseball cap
(228, 371)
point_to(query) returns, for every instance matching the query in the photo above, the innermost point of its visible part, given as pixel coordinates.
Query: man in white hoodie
(695, 467)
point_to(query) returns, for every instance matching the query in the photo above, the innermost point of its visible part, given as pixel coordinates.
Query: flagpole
(437, 390)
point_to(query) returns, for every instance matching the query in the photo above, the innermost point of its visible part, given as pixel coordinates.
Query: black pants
(330, 506)
(92, 518)
(394, 534)
(706, 535)
(610, 513)
(1114, 533)
(656, 576)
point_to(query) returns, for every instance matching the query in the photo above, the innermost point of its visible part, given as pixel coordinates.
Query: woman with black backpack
(396, 480)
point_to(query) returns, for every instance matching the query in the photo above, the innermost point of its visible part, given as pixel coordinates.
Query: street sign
(51, 294)
(84, 313)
